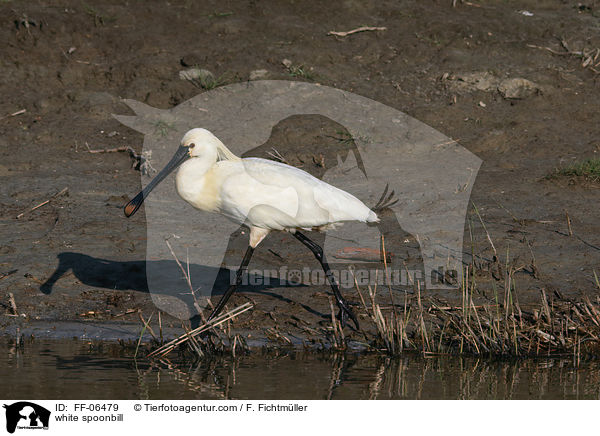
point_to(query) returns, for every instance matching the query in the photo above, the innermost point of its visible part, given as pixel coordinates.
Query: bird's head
(200, 141)
(194, 143)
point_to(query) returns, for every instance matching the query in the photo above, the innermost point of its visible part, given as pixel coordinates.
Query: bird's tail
(385, 201)
(372, 218)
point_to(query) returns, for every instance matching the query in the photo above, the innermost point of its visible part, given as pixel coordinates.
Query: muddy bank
(77, 260)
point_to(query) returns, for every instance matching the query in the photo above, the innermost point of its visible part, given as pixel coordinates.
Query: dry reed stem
(554, 327)
(188, 280)
(569, 223)
(147, 324)
(485, 229)
(170, 346)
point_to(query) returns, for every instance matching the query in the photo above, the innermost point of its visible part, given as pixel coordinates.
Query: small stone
(258, 74)
(482, 104)
(517, 88)
(475, 81)
(286, 63)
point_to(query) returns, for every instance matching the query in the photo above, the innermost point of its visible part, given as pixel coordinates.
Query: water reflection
(86, 370)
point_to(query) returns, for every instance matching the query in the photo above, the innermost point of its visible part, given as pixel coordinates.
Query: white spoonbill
(262, 195)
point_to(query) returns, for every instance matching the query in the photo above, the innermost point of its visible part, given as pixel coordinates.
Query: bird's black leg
(345, 311)
(234, 286)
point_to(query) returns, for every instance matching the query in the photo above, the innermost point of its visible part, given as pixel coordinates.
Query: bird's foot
(345, 313)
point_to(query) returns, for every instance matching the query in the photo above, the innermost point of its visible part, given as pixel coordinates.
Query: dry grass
(193, 338)
(589, 58)
(556, 326)
(475, 325)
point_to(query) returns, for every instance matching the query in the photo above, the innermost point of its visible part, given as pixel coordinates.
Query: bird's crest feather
(225, 154)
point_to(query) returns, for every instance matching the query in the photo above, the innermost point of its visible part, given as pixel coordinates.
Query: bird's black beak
(180, 156)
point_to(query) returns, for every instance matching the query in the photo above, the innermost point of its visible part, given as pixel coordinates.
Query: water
(47, 369)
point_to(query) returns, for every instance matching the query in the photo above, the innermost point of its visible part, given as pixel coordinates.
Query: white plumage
(262, 194)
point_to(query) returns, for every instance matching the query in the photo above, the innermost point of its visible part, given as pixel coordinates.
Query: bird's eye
(192, 145)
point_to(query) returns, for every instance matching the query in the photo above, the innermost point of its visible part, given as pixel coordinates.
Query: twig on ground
(112, 150)
(279, 336)
(359, 29)
(6, 274)
(141, 161)
(127, 312)
(569, 223)
(548, 49)
(589, 58)
(14, 114)
(13, 304)
(58, 194)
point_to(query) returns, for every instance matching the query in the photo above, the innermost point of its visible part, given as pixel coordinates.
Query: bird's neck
(190, 176)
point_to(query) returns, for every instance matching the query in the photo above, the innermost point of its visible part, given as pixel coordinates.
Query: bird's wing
(274, 195)
(341, 205)
(246, 198)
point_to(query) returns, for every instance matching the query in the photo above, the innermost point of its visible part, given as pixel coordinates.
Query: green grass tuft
(301, 71)
(590, 169)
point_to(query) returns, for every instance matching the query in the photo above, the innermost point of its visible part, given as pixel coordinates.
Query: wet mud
(76, 265)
